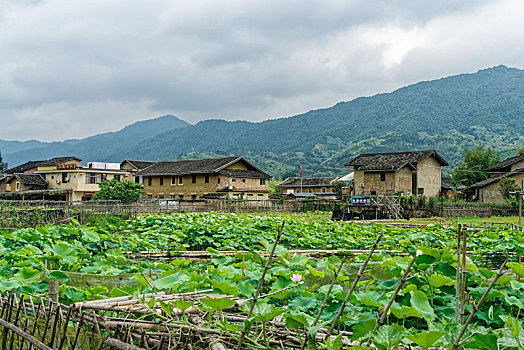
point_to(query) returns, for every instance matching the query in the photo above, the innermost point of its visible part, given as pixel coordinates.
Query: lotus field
(406, 295)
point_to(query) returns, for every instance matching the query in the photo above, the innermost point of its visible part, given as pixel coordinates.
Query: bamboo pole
(457, 282)
(395, 293)
(260, 284)
(475, 309)
(463, 279)
(357, 278)
(335, 275)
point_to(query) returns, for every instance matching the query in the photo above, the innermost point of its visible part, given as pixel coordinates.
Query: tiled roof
(194, 166)
(33, 164)
(392, 161)
(244, 173)
(214, 195)
(447, 183)
(139, 164)
(30, 179)
(505, 163)
(496, 178)
(307, 182)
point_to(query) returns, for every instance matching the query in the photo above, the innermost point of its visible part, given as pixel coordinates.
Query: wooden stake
(457, 282)
(475, 309)
(360, 272)
(260, 284)
(395, 293)
(463, 279)
(336, 272)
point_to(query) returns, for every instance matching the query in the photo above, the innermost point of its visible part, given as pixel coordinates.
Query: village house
(60, 178)
(134, 166)
(488, 191)
(312, 185)
(450, 190)
(416, 173)
(200, 179)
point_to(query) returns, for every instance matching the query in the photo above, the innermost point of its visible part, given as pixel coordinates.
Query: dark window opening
(262, 182)
(206, 179)
(420, 191)
(233, 180)
(173, 180)
(180, 180)
(243, 180)
(382, 176)
(373, 193)
(149, 181)
(161, 181)
(193, 179)
(218, 180)
(193, 197)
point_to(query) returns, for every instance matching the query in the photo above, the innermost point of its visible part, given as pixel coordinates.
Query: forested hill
(447, 115)
(94, 148)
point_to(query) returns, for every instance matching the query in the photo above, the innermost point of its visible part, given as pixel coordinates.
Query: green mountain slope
(99, 147)
(446, 114)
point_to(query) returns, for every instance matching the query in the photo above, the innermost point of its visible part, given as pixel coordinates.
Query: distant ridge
(98, 147)
(446, 115)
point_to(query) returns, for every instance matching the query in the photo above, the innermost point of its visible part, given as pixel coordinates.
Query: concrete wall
(429, 177)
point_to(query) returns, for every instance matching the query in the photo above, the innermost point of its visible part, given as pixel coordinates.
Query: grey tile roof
(505, 163)
(244, 173)
(33, 164)
(138, 164)
(392, 161)
(194, 166)
(307, 182)
(495, 179)
(447, 183)
(30, 179)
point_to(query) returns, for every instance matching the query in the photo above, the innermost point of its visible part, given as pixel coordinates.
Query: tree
(123, 191)
(469, 171)
(520, 151)
(3, 166)
(337, 188)
(508, 185)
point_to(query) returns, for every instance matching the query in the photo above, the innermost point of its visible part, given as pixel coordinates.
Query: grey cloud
(110, 62)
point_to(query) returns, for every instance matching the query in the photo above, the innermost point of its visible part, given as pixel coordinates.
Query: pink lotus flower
(296, 277)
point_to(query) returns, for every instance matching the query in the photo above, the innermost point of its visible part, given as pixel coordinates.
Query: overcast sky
(71, 68)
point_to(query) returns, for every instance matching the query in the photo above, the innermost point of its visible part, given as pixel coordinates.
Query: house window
(173, 180)
(193, 197)
(173, 196)
(218, 180)
(149, 181)
(149, 196)
(260, 195)
(206, 179)
(233, 180)
(116, 177)
(420, 191)
(243, 180)
(181, 197)
(161, 196)
(161, 181)
(137, 179)
(193, 179)
(180, 180)
(382, 176)
(262, 182)
(323, 189)
(373, 193)
(64, 177)
(250, 194)
(17, 186)
(52, 177)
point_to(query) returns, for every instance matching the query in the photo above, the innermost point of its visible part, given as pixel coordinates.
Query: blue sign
(360, 201)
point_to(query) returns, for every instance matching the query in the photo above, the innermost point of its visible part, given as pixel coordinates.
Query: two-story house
(199, 179)
(417, 173)
(62, 178)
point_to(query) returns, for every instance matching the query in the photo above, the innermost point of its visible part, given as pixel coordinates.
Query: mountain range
(448, 115)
